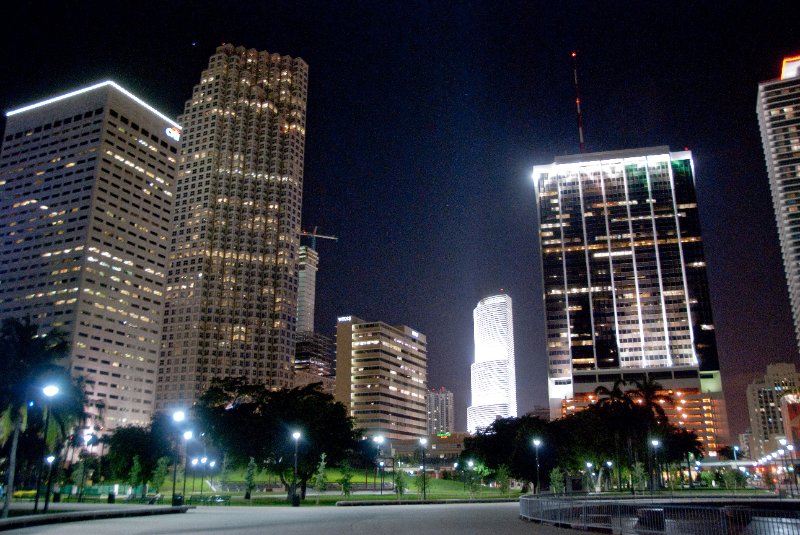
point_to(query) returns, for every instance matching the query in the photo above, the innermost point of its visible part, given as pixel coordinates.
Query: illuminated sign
(443, 435)
(174, 133)
(345, 318)
(415, 334)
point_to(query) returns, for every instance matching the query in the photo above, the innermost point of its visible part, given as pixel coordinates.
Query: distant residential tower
(440, 411)
(778, 112)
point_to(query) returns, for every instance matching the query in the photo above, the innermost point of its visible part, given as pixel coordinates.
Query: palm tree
(26, 357)
(613, 395)
(651, 395)
(617, 403)
(680, 444)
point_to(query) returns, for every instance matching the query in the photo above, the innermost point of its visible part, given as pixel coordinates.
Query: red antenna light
(578, 102)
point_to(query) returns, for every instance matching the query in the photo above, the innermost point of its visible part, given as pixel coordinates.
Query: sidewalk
(77, 512)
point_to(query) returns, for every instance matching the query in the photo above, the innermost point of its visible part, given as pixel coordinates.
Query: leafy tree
(135, 475)
(26, 357)
(557, 484)
(250, 478)
(502, 479)
(346, 479)
(253, 421)
(638, 476)
(146, 445)
(400, 484)
(320, 484)
(160, 473)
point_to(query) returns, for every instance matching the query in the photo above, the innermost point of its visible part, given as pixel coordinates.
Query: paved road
(451, 519)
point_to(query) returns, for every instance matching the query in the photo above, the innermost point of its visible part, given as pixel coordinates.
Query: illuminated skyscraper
(625, 289)
(494, 390)
(381, 377)
(764, 397)
(306, 288)
(779, 117)
(232, 284)
(86, 192)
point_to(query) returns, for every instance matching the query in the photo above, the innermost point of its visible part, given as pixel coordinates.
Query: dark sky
(425, 119)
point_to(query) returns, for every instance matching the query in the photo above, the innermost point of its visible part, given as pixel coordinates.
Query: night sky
(424, 122)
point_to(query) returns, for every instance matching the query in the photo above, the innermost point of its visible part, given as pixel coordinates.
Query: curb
(357, 503)
(79, 516)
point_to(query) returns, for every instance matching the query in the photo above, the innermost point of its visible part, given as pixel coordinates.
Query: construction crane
(313, 235)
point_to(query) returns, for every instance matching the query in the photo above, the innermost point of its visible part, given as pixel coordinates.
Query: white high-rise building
(86, 194)
(764, 398)
(778, 112)
(494, 390)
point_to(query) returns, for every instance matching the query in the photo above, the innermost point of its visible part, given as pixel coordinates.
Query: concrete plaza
(449, 519)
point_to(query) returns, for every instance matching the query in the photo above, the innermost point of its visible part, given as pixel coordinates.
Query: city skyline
(427, 179)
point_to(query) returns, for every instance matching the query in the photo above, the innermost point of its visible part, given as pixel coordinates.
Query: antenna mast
(578, 102)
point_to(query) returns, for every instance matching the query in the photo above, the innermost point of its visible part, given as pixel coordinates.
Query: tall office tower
(232, 283)
(625, 289)
(778, 112)
(86, 193)
(764, 405)
(306, 288)
(381, 377)
(494, 388)
(314, 361)
(440, 412)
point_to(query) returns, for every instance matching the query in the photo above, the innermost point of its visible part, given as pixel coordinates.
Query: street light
(423, 442)
(187, 436)
(381, 465)
(211, 465)
(609, 464)
(470, 464)
(49, 391)
(49, 459)
(536, 443)
(378, 440)
(194, 471)
(296, 437)
(203, 461)
(177, 417)
(735, 453)
(655, 443)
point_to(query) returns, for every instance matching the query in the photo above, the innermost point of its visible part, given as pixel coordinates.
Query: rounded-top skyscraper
(494, 390)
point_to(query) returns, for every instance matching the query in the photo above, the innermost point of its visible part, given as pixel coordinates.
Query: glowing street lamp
(656, 443)
(187, 436)
(423, 442)
(296, 437)
(194, 471)
(378, 440)
(177, 417)
(49, 392)
(203, 462)
(536, 443)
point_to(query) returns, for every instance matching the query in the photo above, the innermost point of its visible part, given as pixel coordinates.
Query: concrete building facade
(87, 182)
(232, 282)
(381, 377)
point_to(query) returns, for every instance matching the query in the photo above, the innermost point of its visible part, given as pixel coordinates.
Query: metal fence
(649, 517)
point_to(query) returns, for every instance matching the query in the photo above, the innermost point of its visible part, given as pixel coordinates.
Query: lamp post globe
(423, 442)
(296, 436)
(49, 391)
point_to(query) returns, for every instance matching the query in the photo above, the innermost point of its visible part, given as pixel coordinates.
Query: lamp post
(49, 392)
(194, 471)
(381, 465)
(203, 462)
(177, 417)
(470, 464)
(211, 465)
(655, 443)
(187, 436)
(378, 440)
(50, 459)
(296, 437)
(422, 443)
(790, 449)
(591, 474)
(609, 464)
(536, 443)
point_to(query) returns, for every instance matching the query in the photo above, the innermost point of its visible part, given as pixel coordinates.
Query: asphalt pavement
(449, 519)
